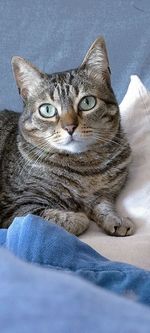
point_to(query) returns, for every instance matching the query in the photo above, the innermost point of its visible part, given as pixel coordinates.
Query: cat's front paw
(74, 222)
(117, 226)
(77, 223)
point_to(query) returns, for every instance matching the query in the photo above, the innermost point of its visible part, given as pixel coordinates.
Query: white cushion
(134, 200)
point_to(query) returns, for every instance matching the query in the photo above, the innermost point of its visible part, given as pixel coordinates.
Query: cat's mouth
(73, 140)
(72, 144)
(70, 139)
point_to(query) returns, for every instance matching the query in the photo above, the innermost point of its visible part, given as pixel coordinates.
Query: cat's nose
(70, 128)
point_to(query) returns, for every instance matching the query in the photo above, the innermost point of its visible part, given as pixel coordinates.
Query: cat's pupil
(47, 109)
(87, 101)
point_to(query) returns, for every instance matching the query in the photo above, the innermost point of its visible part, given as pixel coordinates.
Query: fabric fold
(35, 240)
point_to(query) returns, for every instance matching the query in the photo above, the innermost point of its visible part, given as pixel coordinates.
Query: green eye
(87, 103)
(47, 110)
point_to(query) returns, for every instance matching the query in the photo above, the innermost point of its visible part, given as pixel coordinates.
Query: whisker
(36, 162)
(33, 150)
(107, 141)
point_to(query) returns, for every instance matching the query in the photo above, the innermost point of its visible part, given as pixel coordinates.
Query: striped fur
(71, 179)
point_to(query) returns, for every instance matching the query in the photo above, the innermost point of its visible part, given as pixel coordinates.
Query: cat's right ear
(27, 76)
(96, 60)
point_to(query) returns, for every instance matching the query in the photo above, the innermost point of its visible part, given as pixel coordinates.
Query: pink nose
(70, 128)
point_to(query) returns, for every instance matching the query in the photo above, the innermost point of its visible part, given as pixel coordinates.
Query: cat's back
(8, 126)
(8, 119)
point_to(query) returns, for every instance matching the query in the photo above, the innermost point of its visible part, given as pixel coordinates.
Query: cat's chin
(72, 147)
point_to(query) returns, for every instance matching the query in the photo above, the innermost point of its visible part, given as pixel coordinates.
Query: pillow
(134, 200)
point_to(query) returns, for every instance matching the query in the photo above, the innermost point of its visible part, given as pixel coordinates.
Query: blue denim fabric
(35, 240)
(36, 299)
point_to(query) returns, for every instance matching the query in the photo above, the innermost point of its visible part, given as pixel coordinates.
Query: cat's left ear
(27, 76)
(96, 60)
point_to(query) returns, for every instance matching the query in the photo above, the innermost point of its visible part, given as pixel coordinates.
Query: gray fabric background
(55, 35)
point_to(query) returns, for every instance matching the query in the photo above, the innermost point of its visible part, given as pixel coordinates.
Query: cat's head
(69, 111)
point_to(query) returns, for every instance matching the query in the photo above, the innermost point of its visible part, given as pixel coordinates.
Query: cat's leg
(74, 222)
(105, 216)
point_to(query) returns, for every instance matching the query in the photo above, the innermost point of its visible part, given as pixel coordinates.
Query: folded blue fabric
(33, 299)
(35, 240)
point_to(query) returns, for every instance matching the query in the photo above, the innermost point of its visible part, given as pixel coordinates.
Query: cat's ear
(27, 76)
(96, 60)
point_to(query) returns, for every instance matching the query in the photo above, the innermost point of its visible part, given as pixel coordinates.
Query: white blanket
(134, 201)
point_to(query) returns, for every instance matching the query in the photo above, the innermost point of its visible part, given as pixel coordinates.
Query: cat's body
(71, 181)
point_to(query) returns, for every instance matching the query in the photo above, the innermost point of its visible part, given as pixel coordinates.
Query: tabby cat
(65, 157)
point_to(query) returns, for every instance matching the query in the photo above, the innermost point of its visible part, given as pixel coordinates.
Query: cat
(65, 158)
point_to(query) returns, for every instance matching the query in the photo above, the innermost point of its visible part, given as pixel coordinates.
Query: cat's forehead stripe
(62, 86)
(63, 91)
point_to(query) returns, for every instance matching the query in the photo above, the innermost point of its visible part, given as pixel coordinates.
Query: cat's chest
(88, 187)
(80, 187)
(82, 182)
(72, 185)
